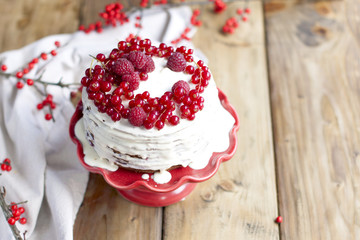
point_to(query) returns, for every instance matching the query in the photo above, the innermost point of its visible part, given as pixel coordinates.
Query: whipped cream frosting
(190, 143)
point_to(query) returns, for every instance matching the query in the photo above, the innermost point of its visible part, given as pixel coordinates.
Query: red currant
(101, 57)
(115, 116)
(105, 86)
(94, 86)
(191, 116)
(16, 212)
(40, 106)
(52, 105)
(159, 124)
(115, 100)
(21, 210)
(23, 220)
(11, 221)
(57, 43)
(19, 85)
(194, 94)
(3, 167)
(99, 97)
(190, 69)
(153, 115)
(143, 76)
(19, 74)
(30, 82)
(129, 95)
(53, 52)
(3, 67)
(122, 45)
(125, 113)
(7, 160)
(43, 56)
(147, 107)
(8, 168)
(148, 125)
(48, 116)
(174, 120)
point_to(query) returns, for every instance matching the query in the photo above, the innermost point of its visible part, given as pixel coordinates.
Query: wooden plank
(240, 201)
(314, 73)
(22, 21)
(104, 214)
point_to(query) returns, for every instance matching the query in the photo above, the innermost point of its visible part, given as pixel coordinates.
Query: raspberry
(149, 65)
(176, 62)
(137, 116)
(122, 66)
(137, 58)
(181, 84)
(132, 79)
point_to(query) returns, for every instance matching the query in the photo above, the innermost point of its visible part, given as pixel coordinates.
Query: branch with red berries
(13, 212)
(22, 80)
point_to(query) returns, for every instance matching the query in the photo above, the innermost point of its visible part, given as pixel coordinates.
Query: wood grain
(22, 21)
(314, 73)
(104, 214)
(240, 201)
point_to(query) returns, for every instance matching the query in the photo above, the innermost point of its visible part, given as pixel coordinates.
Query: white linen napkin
(46, 171)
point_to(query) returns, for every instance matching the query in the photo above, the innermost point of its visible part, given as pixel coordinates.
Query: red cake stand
(134, 188)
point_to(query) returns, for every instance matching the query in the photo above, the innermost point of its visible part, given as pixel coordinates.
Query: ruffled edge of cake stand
(124, 179)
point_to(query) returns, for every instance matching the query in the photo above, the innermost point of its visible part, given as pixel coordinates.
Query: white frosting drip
(145, 176)
(91, 158)
(162, 177)
(190, 143)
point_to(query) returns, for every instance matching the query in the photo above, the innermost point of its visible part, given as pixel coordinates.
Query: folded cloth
(46, 171)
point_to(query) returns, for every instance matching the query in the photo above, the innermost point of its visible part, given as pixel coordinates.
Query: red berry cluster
(6, 165)
(16, 212)
(232, 23)
(97, 26)
(194, 18)
(48, 101)
(130, 63)
(219, 6)
(183, 36)
(112, 14)
(243, 13)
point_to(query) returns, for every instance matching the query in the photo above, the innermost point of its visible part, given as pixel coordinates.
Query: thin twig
(7, 214)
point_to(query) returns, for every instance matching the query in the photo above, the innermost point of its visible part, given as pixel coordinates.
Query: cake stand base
(150, 198)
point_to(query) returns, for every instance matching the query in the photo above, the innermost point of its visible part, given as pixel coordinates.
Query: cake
(151, 109)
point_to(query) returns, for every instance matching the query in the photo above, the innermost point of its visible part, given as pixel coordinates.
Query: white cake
(189, 143)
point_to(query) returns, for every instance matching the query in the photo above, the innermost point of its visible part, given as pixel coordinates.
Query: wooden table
(293, 74)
